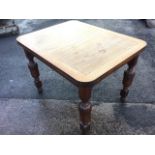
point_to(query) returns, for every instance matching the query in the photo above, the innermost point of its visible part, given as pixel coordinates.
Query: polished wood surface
(82, 51)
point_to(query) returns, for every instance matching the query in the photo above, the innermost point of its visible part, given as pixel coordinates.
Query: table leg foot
(85, 109)
(33, 67)
(85, 129)
(129, 75)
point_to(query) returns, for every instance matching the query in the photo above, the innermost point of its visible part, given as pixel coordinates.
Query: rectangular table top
(82, 51)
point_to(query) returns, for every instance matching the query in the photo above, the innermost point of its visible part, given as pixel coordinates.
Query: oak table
(84, 54)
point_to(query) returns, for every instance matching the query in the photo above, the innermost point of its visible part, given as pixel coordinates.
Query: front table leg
(85, 109)
(129, 75)
(33, 67)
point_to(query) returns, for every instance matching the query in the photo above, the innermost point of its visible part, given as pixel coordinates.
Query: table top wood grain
(82, 51)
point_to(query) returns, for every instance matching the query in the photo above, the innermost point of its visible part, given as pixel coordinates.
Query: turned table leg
(85, 109)
(129, 75)
(33, 67)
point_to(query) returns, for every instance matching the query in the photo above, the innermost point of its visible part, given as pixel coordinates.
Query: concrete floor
(23, 111)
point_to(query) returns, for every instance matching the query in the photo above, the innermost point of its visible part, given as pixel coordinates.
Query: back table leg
(129, 75)
(85, 109)
(33, 67)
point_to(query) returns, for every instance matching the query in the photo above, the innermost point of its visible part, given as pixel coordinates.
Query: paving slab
(60, 117)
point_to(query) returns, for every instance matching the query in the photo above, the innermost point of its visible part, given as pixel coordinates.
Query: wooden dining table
(84, 54)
